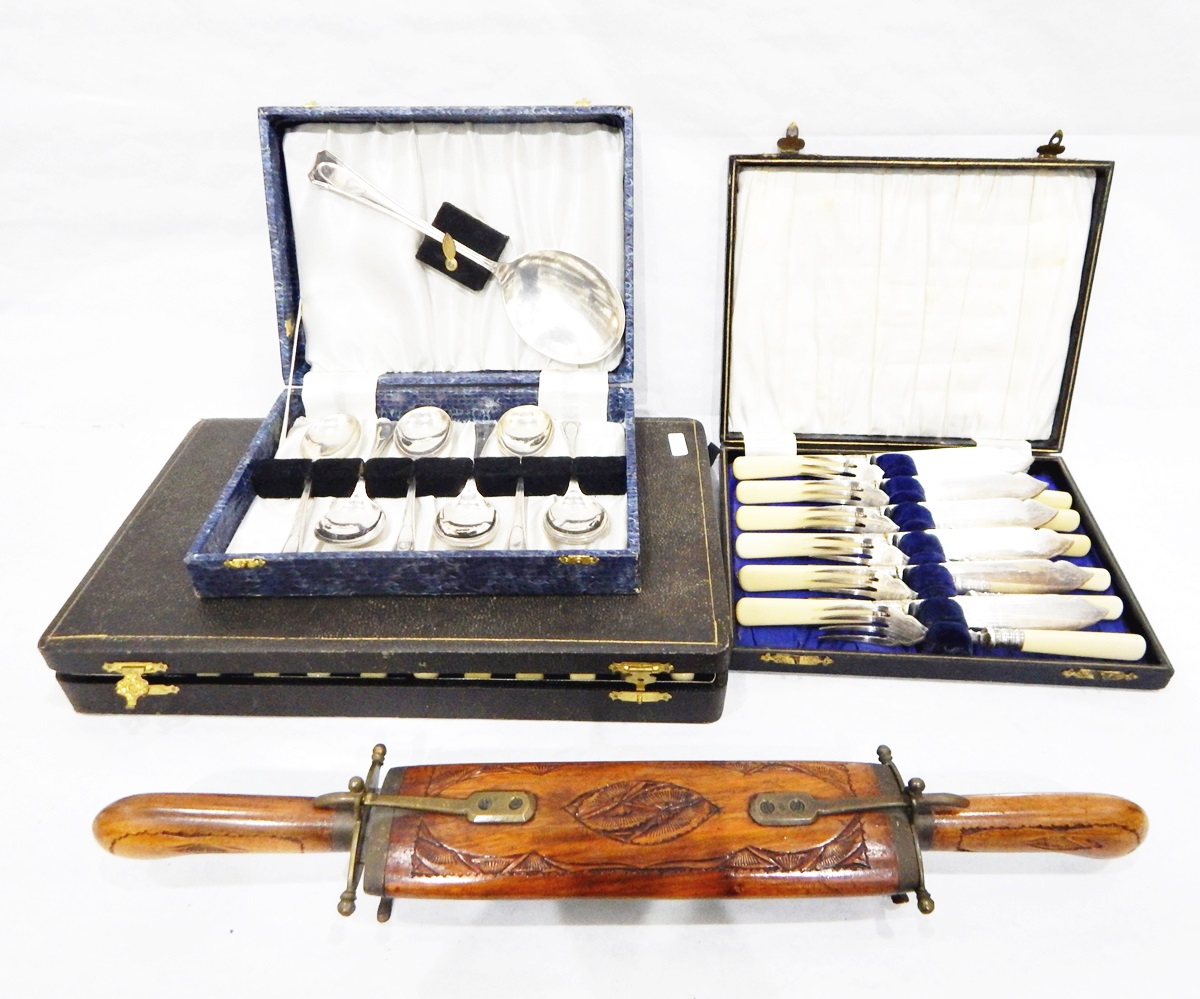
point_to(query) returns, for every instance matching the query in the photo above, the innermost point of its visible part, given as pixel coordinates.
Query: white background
(136, 299)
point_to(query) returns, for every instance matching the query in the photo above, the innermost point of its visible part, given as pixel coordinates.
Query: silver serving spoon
(558, 303)
(523, 432)
(356, 520)
(420, 433)
(324, 437)
(574, 518)
(468, 520)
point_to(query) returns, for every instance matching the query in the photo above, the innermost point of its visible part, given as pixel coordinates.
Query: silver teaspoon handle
(331, 174)
(292, 544)
(516, 539)
(408, 529)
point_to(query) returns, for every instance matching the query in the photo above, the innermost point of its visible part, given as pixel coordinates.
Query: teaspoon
(522, 432)
(420, 433)
(574, 518)
(324, 437)
(356, 520)
(468, 520)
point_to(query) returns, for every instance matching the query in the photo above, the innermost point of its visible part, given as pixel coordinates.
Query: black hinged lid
(884, 302)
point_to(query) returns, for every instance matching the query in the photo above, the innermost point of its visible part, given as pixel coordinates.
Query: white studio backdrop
(135, 299)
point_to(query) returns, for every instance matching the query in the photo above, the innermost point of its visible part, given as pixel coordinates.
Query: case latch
(640, 675)
(133, 685)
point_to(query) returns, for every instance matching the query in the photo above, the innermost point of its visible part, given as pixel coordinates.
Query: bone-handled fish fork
(982, 544)
(896, 628)
(869, 492)
(948, 514)
(1068, 612)
(943, 462)
(1030, 575)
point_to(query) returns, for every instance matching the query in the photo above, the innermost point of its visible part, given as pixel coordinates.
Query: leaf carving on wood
(641, 812)
(432, 858)
(846, 850)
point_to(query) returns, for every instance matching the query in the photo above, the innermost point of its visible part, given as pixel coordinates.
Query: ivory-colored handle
(1113, 607)
(1121, 645)
(1056, 498)
(789, 611)
(766, 545)
(794, 491)
(1101, 579)
(777, 466)
(787, 518)
(1080, 545)
(1064, 520)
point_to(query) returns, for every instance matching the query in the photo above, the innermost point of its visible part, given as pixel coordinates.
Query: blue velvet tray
(466, 395)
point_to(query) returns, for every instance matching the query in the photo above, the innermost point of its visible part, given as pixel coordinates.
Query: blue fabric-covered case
(523, 171)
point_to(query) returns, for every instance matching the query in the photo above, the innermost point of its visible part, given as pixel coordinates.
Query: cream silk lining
(904, 301)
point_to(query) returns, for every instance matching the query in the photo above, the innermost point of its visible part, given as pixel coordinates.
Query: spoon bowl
(524, 431)
(333, 436)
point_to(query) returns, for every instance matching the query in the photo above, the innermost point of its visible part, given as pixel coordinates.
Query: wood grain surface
(163, 825)
(664, 830)
(1094, 825)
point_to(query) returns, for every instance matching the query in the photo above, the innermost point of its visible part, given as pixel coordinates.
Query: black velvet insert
(546, 476)
(388, 477)
(336, 476)
(603, 476)
(442, 476)
(498, 476)
(470, 231)
(279, 478)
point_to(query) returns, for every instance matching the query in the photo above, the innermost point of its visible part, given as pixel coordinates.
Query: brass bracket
(795, 659)
(1087, 673)
(1053, 148)
(133, 685)
(492, 807)
(640, 675)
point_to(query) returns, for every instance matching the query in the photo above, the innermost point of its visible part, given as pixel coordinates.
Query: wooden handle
(1093, 825)
(147, 826)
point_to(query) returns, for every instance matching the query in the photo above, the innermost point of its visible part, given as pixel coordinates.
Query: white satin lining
(370, 306)
(903, 301)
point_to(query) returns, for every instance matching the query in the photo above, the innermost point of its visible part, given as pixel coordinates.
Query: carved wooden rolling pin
(628, 830)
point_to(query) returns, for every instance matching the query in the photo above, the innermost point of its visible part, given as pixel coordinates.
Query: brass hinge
(795, 659)
(133, 685)
(245, 563)
(640, 674)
